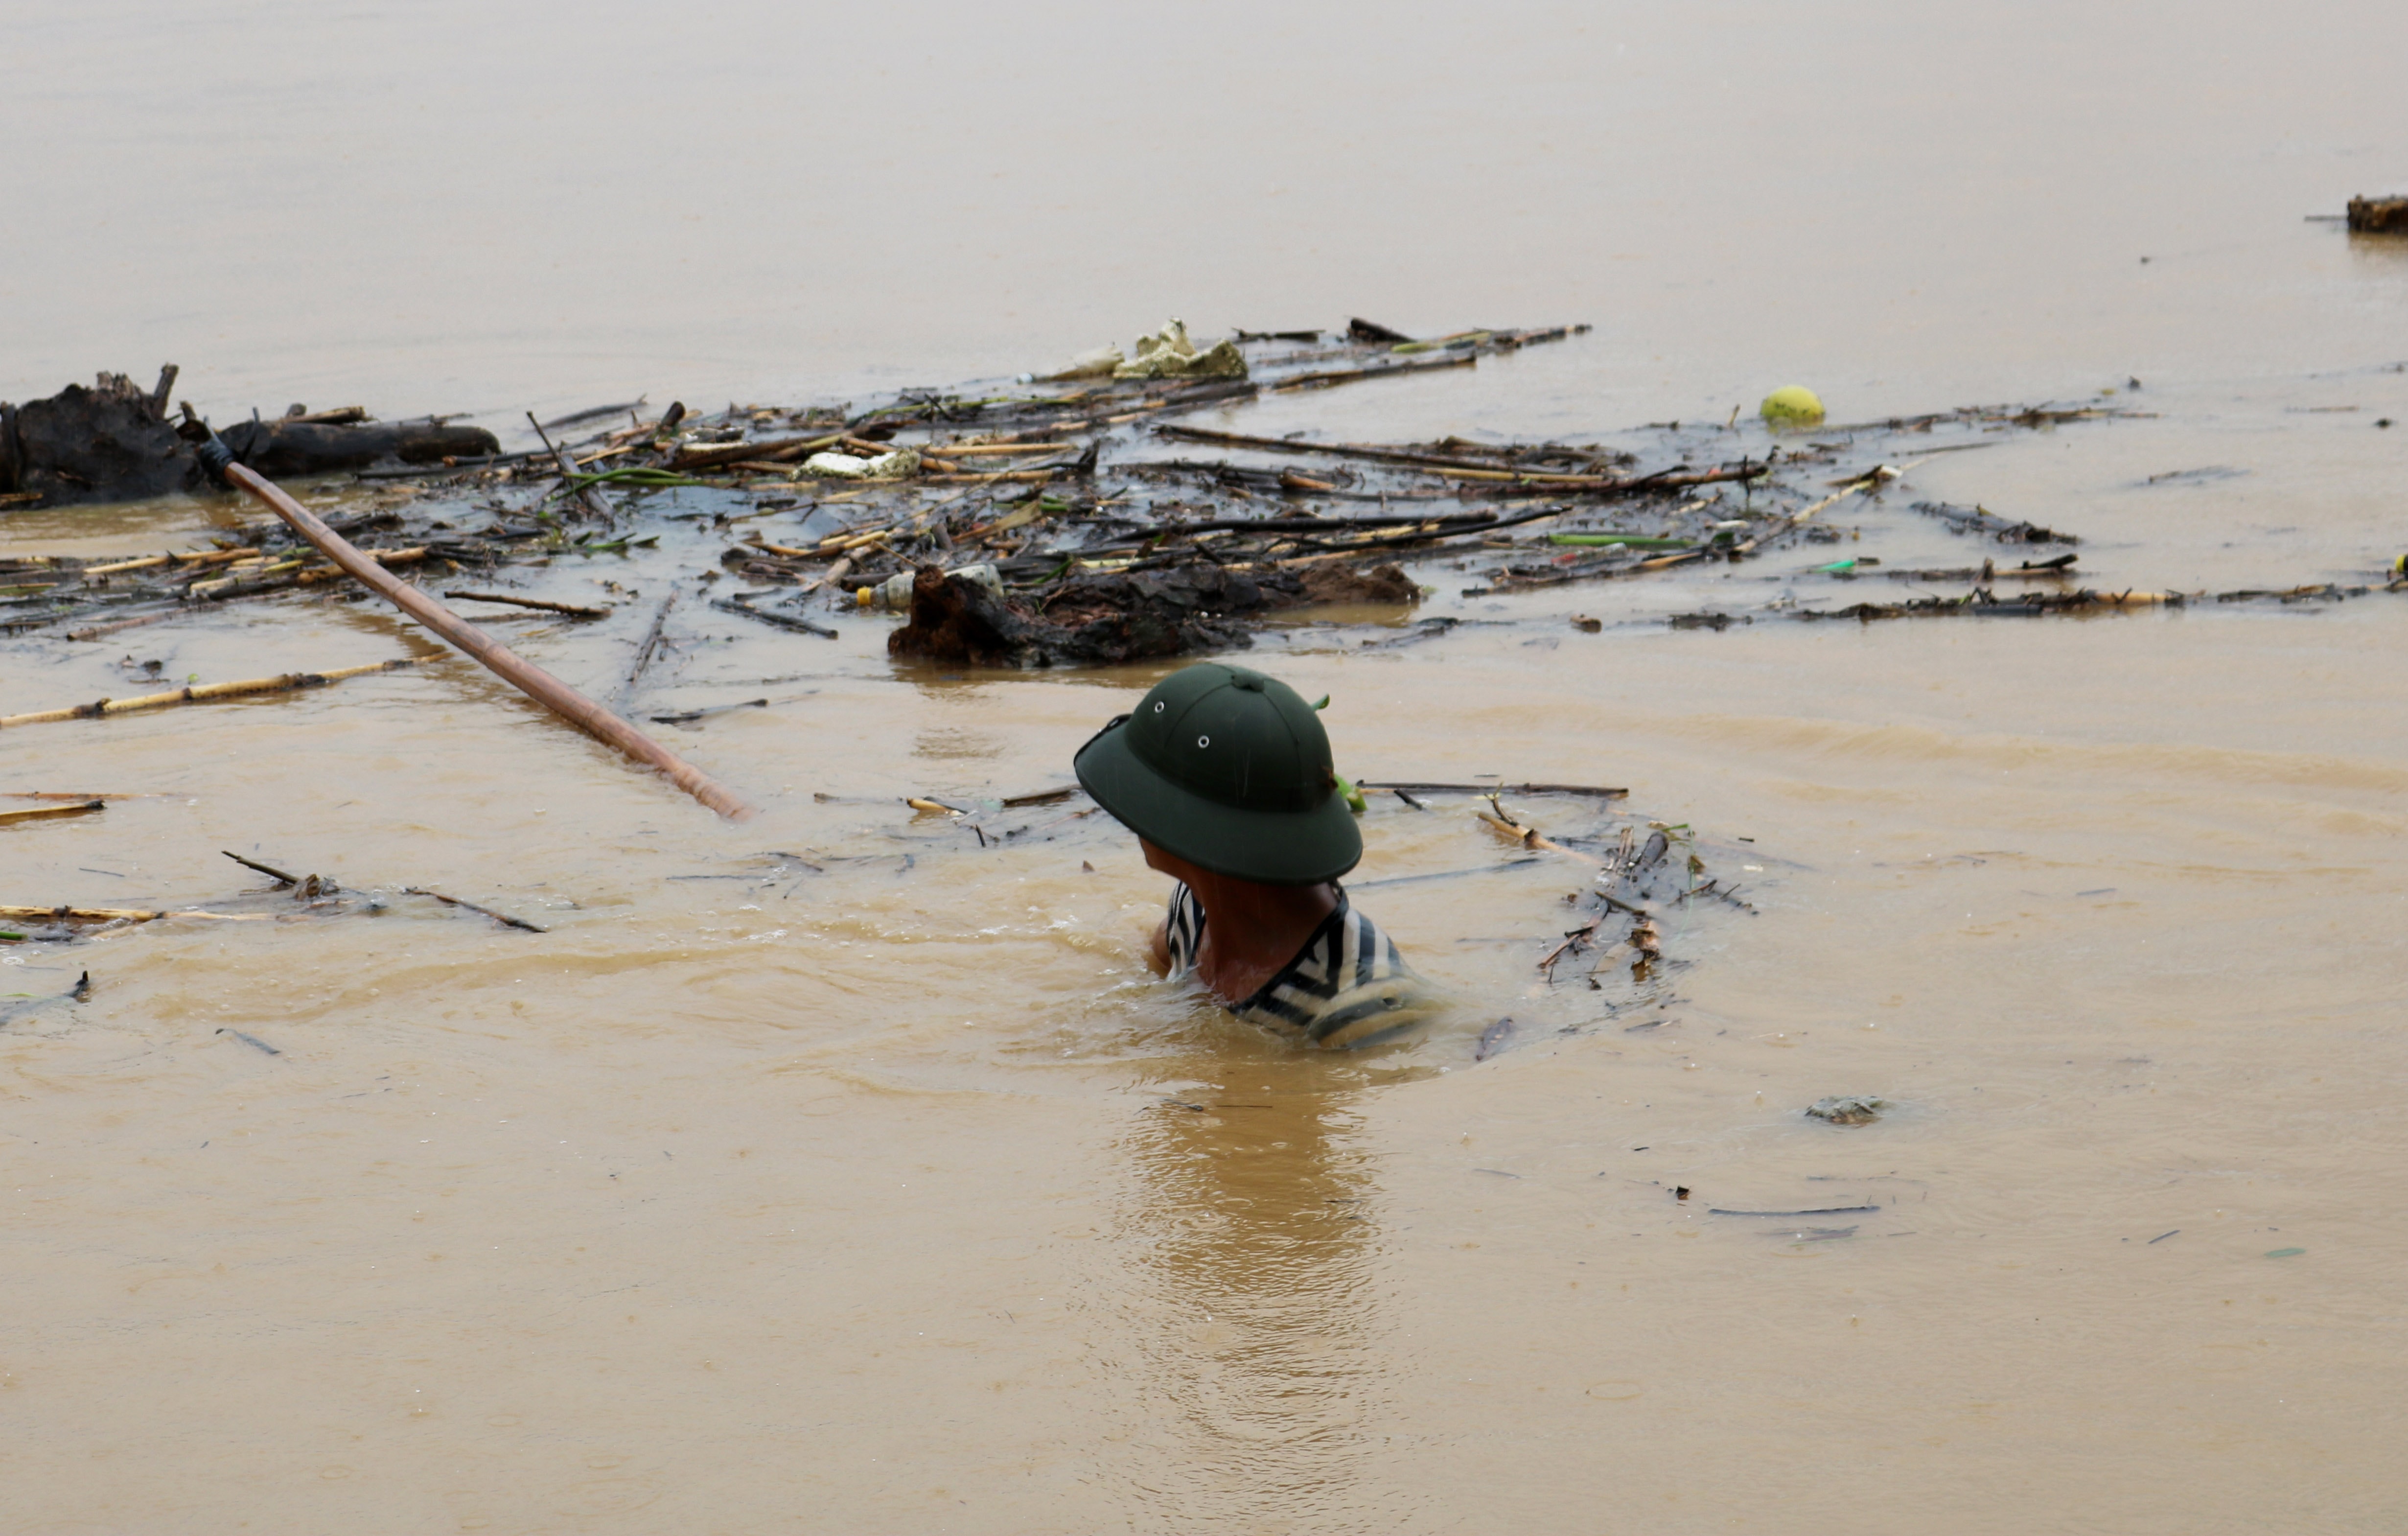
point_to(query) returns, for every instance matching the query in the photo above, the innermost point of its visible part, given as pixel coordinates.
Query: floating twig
(688, 717)
(268, 869)
(503, 918)
(651, 643)
(1981, 520)
(576, 611)
(779, 620)
(587, 496)
(1418, 787)
(1043, 797)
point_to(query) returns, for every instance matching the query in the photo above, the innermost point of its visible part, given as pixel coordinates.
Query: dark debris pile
(1089, 521)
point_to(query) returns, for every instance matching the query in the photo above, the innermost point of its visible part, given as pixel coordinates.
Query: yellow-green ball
(1792, 405)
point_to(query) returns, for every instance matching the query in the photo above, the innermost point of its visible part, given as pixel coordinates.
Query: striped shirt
(1346, 987)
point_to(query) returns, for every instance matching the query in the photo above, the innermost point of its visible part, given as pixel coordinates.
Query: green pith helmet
(1229, 770)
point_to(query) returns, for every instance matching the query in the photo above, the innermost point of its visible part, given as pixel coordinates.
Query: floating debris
(1853, 1110)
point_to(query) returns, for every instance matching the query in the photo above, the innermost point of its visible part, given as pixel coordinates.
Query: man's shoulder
(1351, 986)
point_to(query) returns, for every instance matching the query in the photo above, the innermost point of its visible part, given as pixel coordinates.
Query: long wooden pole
(524, 675)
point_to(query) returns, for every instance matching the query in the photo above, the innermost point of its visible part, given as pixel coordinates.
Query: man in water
(1226, 777)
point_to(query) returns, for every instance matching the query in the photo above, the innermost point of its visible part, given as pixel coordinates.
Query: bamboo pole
(991, 449)
(121, 914)
(212, 557)
(529, 679)
(50, 812)
(202, 693)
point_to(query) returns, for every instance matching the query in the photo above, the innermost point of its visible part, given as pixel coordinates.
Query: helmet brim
(1269, 847)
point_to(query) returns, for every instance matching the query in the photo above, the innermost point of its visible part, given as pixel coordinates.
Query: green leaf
(1354, 800)
(2284, 1253)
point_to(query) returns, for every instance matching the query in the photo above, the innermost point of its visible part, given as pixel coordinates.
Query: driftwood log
(114, 442)
(2378, 215)
(107, 443)
(289, 448)
(1108, 618)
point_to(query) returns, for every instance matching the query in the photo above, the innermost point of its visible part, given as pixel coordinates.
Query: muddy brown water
(834, 1171)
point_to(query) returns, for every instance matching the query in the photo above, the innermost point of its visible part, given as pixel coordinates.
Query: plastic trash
(983, 574)
(902, 464)
(1792, 405)
(1169, 354)
(894, 593)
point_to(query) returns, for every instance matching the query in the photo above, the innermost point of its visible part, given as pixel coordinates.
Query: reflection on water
(1250, 1220)
(2379, 254)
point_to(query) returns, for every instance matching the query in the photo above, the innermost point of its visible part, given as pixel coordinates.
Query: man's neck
(1252, 930)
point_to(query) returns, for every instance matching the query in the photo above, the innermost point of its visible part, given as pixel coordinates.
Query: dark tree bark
(114, 442)
(107, 443)
(285, 448)
(1104, 619)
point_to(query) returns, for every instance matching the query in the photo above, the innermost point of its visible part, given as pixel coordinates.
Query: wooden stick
(212, 557)
(383, 557)
(1026, 477)
(268, 869)
(531, 680)
(779, 620)
(587, 496)
(50, 812)
(708, 455)
(651, 643)
(757, 542)
(1417, 787)
(1873, 481)
(1464, 469)
(1529, 837)
(575, 609)
(503, 918)
(835, 573)
(249, 580)
(997, 449)
(203, 694)
(1347, 376)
